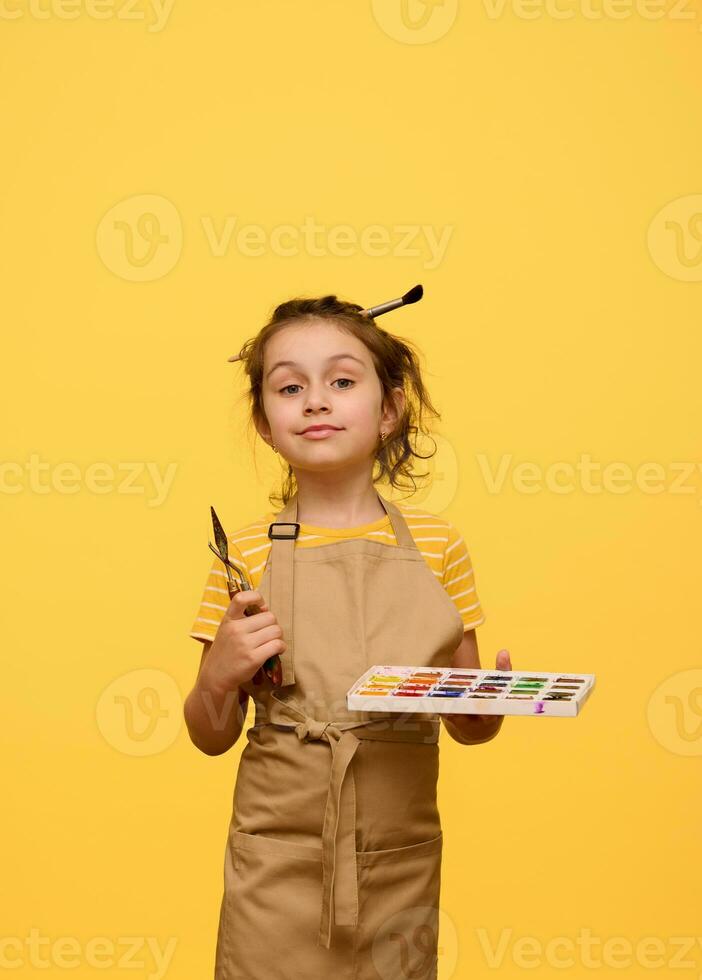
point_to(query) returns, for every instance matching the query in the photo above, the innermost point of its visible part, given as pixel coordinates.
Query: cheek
(370, 415)
(366, 407)
(277, 409)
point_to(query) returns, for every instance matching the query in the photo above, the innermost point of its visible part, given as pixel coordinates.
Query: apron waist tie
(339, 874)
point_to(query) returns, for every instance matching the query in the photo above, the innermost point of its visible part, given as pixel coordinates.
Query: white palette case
(458, 690)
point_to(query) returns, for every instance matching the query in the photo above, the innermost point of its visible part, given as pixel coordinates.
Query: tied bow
(311, 729)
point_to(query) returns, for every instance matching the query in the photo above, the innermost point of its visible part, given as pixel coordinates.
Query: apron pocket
(271, 913)
(399, 892)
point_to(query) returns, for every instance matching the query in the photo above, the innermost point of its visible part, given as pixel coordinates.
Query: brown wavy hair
(396, 363)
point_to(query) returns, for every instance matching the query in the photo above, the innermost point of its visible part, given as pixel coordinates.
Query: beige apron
(333, 859)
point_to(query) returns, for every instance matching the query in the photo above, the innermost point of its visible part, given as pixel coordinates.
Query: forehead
(311, 342)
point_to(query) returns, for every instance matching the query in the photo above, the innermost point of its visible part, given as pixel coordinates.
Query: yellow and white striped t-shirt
(438, 541)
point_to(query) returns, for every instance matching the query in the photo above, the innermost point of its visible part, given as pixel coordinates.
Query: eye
(344, 388)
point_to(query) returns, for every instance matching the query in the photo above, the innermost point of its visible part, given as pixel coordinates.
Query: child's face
(323, 388)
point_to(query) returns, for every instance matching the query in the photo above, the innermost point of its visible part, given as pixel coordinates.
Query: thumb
(503, 660)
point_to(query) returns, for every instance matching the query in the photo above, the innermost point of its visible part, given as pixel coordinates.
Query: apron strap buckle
(290, 535)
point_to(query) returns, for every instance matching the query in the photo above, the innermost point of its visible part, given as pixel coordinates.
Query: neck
(337, 502)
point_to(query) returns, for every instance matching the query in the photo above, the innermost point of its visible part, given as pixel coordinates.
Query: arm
(472, 729)
(214, 716)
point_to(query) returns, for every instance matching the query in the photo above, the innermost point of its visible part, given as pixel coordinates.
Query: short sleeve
(459, 580)
(215, 597)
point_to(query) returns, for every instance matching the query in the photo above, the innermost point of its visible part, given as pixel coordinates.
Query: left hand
(472, 727)
(502, 662)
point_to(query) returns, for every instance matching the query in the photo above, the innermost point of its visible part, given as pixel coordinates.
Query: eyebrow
(334, 357)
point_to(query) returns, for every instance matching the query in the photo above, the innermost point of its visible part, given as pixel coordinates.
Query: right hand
(242, 643)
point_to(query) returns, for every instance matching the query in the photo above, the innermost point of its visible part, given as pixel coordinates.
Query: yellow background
(562, 322)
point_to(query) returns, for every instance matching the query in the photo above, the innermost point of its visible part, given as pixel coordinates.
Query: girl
(333, 859)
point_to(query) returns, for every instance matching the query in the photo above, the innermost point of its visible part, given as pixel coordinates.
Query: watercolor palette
(462, 690)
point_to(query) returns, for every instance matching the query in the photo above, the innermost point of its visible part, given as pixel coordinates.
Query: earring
(274, 448)
(382, 436)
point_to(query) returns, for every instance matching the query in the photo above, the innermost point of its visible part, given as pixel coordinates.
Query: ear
(263, 429)
(393, 409)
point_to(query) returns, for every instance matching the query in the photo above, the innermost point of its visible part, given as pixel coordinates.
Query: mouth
(320, 428)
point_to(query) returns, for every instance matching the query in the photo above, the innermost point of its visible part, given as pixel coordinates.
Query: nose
(316, 401)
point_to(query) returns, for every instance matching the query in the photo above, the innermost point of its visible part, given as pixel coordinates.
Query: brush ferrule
(392, 304)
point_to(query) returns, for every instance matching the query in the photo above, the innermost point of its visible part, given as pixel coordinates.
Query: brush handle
(392, 304)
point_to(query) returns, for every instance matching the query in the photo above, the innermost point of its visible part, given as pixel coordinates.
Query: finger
(240, 600)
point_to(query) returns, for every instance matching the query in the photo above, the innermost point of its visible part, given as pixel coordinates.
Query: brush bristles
(414, 294)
